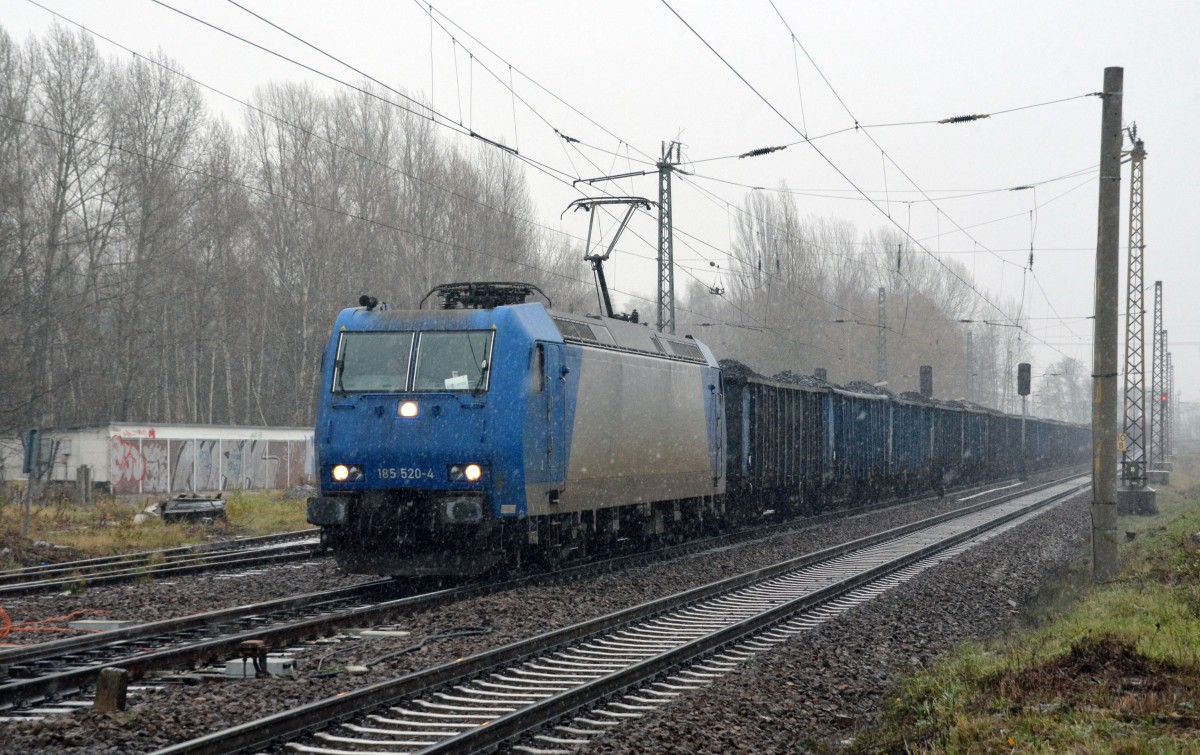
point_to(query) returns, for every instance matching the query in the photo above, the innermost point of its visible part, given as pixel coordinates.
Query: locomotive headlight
(464, 472)
(343, 472)
(407, 409)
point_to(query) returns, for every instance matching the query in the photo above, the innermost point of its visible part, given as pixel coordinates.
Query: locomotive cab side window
(372, 362)
(539, 368)
(453, 361)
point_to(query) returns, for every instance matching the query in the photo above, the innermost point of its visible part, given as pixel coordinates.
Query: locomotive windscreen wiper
(483, 371)
(337, 377)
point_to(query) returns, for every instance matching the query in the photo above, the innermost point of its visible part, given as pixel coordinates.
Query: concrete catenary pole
(1105, 563)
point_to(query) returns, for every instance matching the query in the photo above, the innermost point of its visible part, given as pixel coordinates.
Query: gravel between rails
(812, 694)
(154, 600)
(814, 708)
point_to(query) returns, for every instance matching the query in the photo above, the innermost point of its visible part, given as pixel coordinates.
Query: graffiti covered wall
(159, 465)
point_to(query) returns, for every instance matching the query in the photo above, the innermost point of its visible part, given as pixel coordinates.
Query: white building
(151, 458)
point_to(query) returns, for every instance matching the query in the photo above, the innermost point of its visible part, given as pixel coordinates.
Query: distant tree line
(158, 264)
(803, 293)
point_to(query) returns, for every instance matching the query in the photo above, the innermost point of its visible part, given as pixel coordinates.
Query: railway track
(171, 562)
(52, 670)
(589, 677)
(61, 669)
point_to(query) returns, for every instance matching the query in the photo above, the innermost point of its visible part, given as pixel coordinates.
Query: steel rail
(509, 726)
(294, 723)
(88, 654)
(242, 558)
(131, 644)
(87, 643)
(205, 557)
(9, 576)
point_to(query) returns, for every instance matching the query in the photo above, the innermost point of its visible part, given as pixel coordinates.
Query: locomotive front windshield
(385, 362)
(453, 361)
(373, 362)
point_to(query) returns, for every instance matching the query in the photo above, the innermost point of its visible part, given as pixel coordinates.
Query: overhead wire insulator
(760, 152)
(964, 118)
(494, 143)
(567, 139)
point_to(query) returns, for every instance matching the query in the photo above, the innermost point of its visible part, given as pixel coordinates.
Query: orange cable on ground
(40, 625)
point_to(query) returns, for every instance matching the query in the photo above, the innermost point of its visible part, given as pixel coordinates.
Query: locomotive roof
(541, 323)
(607, 332)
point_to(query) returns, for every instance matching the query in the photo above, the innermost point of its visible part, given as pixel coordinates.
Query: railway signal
(1023, 378)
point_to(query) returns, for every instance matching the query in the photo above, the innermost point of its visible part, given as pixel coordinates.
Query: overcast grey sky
(624, 75)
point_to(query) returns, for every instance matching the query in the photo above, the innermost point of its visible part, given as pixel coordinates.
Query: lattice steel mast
(1133, 458)
(666, 246)
(1154, 444)
(1168, 400)
(1170, 415)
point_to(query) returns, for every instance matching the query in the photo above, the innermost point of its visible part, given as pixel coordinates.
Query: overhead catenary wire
(872, 139)
(828, 193)
(907, 235)
(570, 140)
(351, 215)
(307, 203)
(951, 120)
(823, 156)
(510, 85)
(424, 111)
(763, 151)
(788, 283)
(932, 122)
(1021, 214)
(799, 89)
(649, 159)
(818, 246)
(309, 133)
(370, 78)
(565, 140)
(441, 119)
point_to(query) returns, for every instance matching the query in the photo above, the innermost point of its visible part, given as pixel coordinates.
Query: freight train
(490, 430)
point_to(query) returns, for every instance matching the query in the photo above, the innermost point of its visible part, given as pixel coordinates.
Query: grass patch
(1117, 672)
(265, 512)
(107, 527)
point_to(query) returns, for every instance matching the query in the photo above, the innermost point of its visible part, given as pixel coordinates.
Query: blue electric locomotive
(494, 429)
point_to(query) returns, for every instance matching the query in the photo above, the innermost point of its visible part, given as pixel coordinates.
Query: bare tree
(66, 161)
(158, 264)
(1063, 392)
(158, 118)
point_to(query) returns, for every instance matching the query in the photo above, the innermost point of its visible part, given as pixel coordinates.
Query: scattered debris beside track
(16, 549)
